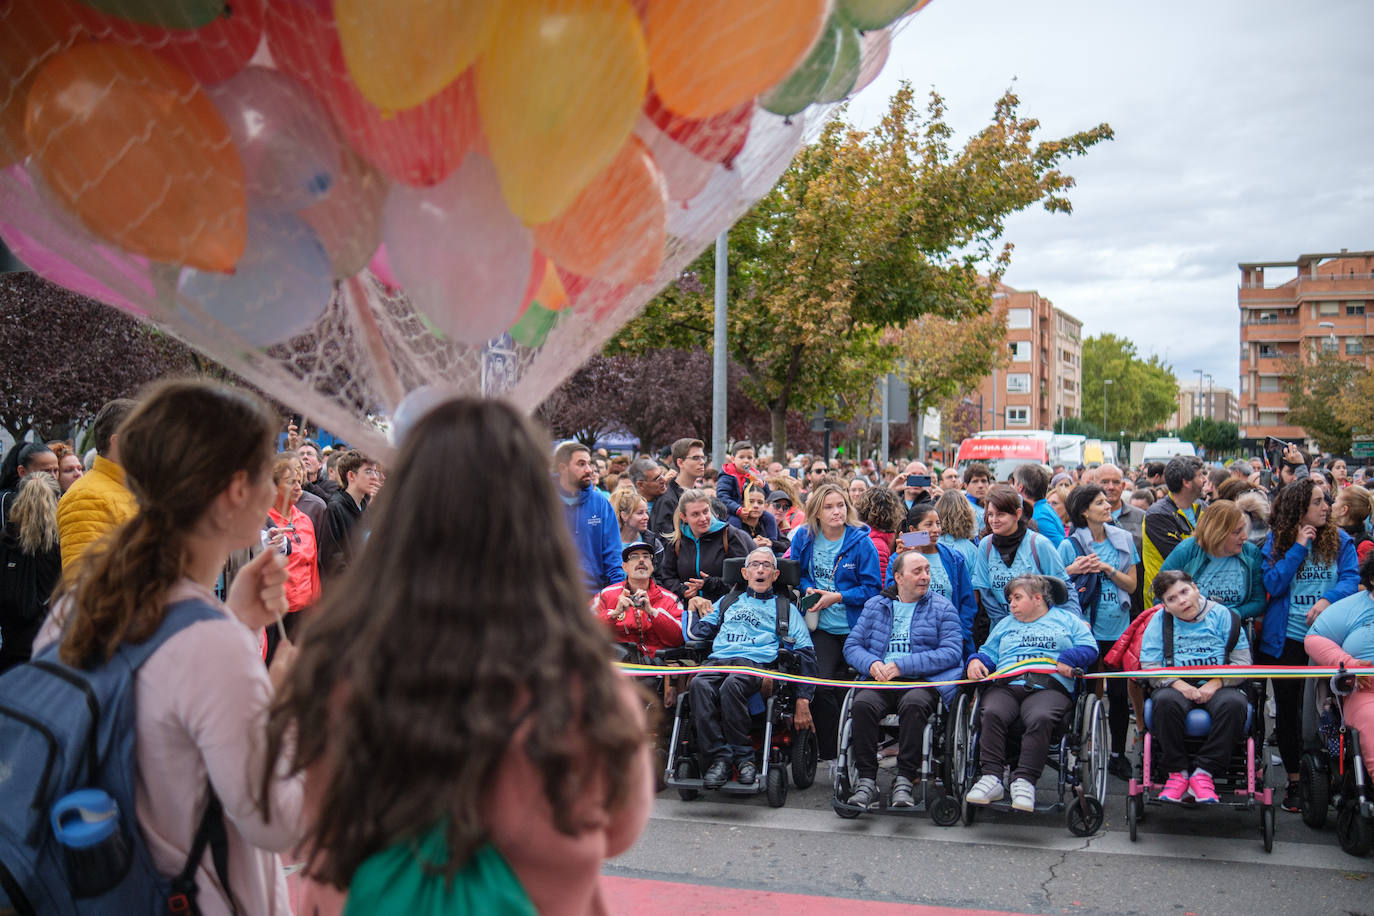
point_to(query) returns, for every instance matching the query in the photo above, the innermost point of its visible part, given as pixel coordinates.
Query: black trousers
(1040, 710)
(1227, 709)
(1118, 703)
(913, 708)
(825, 705)
(1287, 702)
(720, 711)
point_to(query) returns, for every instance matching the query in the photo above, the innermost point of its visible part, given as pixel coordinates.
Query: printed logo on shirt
(594, 520)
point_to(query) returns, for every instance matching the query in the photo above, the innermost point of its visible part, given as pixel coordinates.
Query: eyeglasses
(760, 564)
(819, 470)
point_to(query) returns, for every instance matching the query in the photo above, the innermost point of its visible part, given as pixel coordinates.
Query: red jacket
(1124, 655)
(661, 629)
(884, 542)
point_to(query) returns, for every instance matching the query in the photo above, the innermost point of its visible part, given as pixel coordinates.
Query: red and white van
(1002, 456)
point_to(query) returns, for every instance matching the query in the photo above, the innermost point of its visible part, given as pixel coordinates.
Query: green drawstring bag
(407, 879)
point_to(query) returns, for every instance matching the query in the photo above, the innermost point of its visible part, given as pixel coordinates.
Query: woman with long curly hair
(470, 746)
(1309, 563)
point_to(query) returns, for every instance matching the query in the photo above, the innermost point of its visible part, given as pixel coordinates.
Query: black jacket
(341, 520)
(688, 560)
(661, 516)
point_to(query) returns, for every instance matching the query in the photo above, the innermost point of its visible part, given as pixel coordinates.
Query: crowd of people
(367, 672)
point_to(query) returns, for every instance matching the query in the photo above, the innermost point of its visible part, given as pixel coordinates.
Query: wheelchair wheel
(944, 811)
(1135, 813)
(955, 762)
(777, 787)
(1085, 816)
(1267, 827)
(1353, 830)
(970, 812)
(1094, 748)
(1314, 791)
(805, 754)
(687, 769)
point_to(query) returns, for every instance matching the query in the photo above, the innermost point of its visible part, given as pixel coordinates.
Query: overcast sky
(1243, 133)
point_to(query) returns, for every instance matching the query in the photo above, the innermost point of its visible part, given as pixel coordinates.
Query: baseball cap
(633, 546)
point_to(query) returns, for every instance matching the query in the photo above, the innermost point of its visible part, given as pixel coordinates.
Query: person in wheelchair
(1037, 626)
(908, 632)
(1193, 631)
(746, 634)
(1344, 635)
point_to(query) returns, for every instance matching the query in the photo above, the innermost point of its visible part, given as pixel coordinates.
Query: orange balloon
(707, 56)
(616, 227)
(133, 147)
(30, 33)
(550, 293)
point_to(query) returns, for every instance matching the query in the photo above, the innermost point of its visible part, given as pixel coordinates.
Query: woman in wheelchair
(913, 634)
(1194, 631)
(1344, 635)
(747, 636)
(1037, 626)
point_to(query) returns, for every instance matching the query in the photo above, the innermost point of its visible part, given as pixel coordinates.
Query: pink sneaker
(1176, 788)
(1200, 784)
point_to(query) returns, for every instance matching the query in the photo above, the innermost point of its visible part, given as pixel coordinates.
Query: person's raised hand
(1306, 533)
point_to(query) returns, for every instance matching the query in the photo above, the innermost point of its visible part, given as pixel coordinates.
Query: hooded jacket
(767, 527)
(596, 532)
(937, 640)
(856, 567)
(94, 505)
(1278, 578)
(689, 558)
(1191, 558)
(730, 487)
(661, 514)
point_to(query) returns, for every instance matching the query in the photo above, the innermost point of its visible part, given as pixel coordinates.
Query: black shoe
(748, 773)
(718, 774)
(1120, 767)
(1291, 799)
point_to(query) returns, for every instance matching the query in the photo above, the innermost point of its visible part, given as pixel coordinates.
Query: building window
(1069, 385)
(1328, 308)
(1018, 318)
(1329, 345)
(1018, 416)
(1018, 382)
(1268, 383)
(1266, 349)
(1354, 308)
(1354, 346)
(1020, 351)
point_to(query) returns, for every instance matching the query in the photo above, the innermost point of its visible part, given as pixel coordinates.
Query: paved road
(1186, 863)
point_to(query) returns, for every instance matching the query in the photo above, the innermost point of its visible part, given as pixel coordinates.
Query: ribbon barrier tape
(1029, 666)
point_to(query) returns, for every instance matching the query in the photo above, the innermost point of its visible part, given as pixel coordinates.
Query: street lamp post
(1211, 409)
(1105, 383)
(1197, 399)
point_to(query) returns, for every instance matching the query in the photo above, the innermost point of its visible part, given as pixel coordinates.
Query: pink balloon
(46, 238)
(380, 266)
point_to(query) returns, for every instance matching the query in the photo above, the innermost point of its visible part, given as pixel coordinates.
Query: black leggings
(1040, 711)
(825, 705)
(1287, 702)
(1118, 704)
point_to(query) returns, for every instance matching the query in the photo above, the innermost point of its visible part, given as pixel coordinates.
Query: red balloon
(417, 146)
(211, 53)
(718, 138)
(588, 294)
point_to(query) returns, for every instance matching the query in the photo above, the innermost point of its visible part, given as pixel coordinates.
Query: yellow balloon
(559, 89)
(402, 52)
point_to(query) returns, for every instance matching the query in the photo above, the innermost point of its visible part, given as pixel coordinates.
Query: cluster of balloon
(507, 167)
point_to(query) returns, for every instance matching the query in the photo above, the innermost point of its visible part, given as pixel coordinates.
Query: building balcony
(1285, 329)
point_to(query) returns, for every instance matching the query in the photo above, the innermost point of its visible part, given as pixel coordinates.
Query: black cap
(633, 546)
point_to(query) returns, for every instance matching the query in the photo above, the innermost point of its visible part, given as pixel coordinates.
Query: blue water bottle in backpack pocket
(98, 853)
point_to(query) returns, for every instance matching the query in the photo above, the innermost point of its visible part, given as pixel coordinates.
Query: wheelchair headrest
(789, 573)
(1058, 590)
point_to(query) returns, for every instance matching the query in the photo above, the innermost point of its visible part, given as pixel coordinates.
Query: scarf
(1008, 544)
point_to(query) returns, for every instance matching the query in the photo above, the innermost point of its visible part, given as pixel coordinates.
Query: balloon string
(1028, 666)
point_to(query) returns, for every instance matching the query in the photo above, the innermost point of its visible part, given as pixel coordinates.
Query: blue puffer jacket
(937, 640)
(856, 568)
(964, 599)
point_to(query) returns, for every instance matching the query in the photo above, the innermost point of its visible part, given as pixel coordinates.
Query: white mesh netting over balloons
(357, 205)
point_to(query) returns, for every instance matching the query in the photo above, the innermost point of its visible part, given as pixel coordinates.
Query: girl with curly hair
(1309, 563)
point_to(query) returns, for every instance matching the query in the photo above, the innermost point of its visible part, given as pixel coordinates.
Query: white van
(1164, 449)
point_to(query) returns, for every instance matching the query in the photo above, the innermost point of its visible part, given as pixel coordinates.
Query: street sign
(1363, 449)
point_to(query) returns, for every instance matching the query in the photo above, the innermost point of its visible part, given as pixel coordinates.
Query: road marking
(1050, 836)
(642, 895)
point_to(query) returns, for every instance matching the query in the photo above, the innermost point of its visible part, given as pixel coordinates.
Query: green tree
(866, 230)
(1318, 394)
(1217, 436)
(1142, 392)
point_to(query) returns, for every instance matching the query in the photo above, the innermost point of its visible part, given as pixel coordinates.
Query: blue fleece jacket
(936, 640)
(962, 595)
(1278, 579)
(595, 531)
(856, 567)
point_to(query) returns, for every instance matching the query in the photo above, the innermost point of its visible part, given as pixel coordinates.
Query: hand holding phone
(918, 481)
(916, 539)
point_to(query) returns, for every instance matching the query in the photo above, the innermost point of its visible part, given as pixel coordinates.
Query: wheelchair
(779, 748)
(1243, 777)
(1332, 769)
(1079, 751)
(936, 766)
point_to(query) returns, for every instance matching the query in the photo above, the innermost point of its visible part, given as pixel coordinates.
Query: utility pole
(720, 363)
(887, 389)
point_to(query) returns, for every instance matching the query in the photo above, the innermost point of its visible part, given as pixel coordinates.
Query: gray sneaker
(865, 794)
(901, 794)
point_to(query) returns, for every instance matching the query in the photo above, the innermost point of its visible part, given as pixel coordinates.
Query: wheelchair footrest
(733, 787)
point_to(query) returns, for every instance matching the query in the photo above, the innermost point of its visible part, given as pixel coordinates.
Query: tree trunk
(777, 413)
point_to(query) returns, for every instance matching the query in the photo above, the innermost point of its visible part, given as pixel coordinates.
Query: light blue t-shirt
(939, 577)
(964, 548)
(1350, 623)
(1224, 580)
(990, 575)
(1313, 579)
(750, 630)
(825, 556)
(899, 643)
(1112, 619)
(1197, 643)
(1012, 641)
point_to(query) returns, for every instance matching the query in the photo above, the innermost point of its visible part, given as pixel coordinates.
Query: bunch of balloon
(517, 172)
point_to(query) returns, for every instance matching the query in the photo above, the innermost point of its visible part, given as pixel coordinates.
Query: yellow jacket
(97, 503)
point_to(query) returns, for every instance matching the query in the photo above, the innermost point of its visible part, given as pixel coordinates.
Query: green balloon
(534, 326)
(169, 14)
(804, 83)
(865, 15)
(846, 70)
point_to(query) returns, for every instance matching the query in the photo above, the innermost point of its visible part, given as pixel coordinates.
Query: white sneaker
(985, 791)
(1022, 795)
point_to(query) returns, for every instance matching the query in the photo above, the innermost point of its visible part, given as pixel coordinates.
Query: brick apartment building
(1318, 303)
(1044, 379)
(1204, 400)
